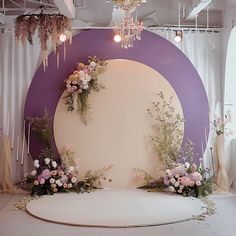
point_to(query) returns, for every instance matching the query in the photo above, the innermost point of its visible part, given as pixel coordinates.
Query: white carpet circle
(115, 208)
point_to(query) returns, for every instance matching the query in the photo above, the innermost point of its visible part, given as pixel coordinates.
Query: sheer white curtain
(17, 66)
(204, 51)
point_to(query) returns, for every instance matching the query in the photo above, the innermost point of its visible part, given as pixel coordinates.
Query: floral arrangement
(220, 124)
(59, 174)
(51, 176)
(168, 130)
(186, 179)
(49, 25)
(81, 83)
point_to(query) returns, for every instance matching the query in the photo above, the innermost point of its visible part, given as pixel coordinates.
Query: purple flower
(166, 181)
(46, 174)
(64, 179)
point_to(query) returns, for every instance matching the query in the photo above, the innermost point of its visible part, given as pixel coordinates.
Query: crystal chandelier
(128, 29)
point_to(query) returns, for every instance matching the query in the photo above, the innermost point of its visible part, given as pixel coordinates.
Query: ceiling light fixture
(117, 38)
(178, 33)
(178, 36)
(63, 37)
(128, 29)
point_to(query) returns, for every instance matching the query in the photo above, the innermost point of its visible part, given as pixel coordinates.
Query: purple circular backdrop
(154, 51)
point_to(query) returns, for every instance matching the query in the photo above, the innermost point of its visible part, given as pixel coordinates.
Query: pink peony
(46, 174)
(42, 181)
(63, 179)
(196, 176)
(185, 181)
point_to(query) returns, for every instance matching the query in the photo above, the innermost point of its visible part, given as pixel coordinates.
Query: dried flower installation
(50, 26)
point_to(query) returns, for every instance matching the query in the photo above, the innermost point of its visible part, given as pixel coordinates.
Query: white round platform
(115, 208)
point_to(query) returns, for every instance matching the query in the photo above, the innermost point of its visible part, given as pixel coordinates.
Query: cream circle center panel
(119, 128)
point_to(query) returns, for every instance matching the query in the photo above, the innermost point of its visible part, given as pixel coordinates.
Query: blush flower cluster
(49, 177)
(183, 179)
(81, 82)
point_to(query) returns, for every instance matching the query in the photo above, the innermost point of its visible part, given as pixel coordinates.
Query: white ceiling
(99, 12)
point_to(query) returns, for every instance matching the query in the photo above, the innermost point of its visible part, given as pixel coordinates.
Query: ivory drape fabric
(222, 164)
(17, 66)
(6, 165)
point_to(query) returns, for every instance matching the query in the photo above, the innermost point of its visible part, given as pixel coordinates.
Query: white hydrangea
(171, 188)
(58, 183)
(54, 164)
(177, 184)
(73, 179)
(36, 164)
(93, 64)
(52, 180)
(172, 180)
(71, 169)
(81, 73)
(47, 161)
(33, 172)
(187, 165)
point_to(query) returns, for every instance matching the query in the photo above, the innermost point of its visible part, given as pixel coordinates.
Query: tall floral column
(222, 159)
(221, 162)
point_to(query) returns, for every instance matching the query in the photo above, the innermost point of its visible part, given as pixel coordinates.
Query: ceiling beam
(196, 8)
(66, 7)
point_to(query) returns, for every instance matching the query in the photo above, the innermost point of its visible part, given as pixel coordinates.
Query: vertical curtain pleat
(17, 67)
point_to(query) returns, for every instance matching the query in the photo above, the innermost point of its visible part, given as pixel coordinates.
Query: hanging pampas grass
(49, 27)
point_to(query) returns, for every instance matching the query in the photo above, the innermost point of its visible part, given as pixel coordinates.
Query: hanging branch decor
(48, 25)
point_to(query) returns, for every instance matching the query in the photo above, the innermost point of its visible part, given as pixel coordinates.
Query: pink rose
(42, 181)
(185, 181)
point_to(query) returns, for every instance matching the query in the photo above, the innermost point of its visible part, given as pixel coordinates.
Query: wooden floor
(19, 223)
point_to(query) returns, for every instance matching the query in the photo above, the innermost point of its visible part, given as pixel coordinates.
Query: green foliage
(168, 130)
(41, 127)
(46, 153)
(79, 92)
